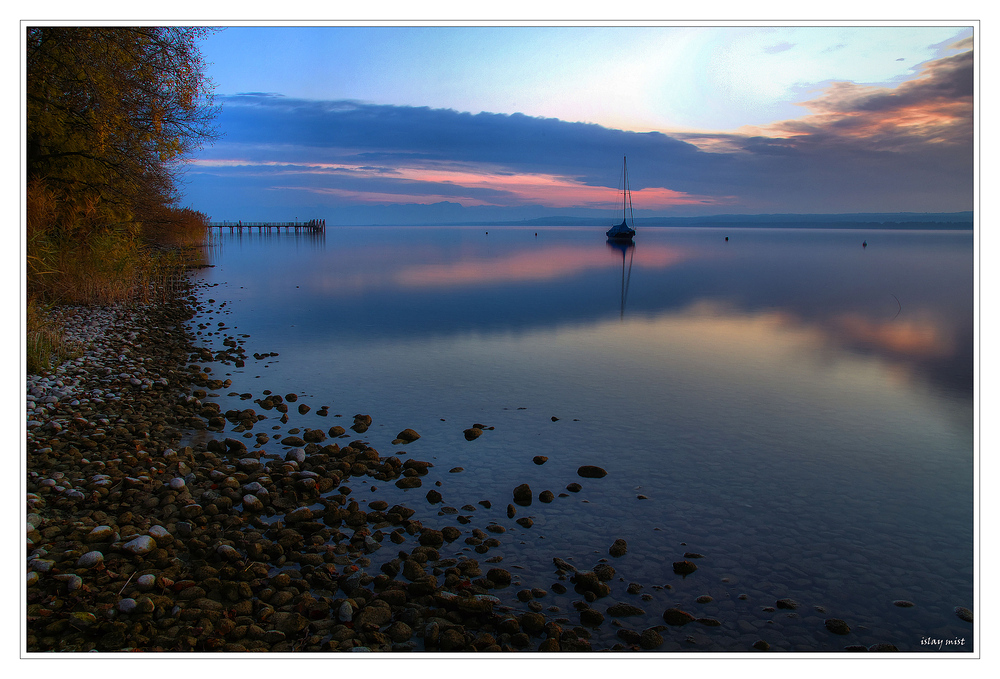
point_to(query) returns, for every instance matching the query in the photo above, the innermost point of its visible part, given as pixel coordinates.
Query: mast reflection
(626, 248)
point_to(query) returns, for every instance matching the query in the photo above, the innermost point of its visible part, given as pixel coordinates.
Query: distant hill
(860, 220)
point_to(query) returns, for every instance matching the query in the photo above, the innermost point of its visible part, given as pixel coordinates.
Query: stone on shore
(522, 494)
(677, 617)
(407, 436)
(140, 545)
(90, 560)
(837, 626)
(684, 568)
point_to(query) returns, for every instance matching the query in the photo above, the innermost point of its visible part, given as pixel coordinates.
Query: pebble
(158, 533)
(684, 568)
(837, 626)
(102, 534)
(73, 581)
(964, 613)
(589, 471)
(140, 545)
(90, 560)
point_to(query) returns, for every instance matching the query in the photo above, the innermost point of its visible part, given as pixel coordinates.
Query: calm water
(794, 407)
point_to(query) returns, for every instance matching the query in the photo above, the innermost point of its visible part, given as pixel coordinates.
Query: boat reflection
(626, 248)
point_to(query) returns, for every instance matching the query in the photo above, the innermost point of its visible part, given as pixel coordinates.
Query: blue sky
(416, 124)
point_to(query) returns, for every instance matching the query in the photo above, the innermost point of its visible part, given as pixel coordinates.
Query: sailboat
(622, 232)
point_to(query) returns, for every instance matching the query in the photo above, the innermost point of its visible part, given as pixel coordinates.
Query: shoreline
(136, 545)
(139, 542)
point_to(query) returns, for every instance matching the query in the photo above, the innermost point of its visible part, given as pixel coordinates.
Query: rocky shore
(156, 521)
(137, 542)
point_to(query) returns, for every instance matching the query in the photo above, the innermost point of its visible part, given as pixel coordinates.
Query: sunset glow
(885, 113)
(531, 265)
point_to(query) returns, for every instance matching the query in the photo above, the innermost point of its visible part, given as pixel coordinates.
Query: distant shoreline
(862, 220)
(943, 221)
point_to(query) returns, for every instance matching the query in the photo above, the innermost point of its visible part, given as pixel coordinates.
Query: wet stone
(619, 610)
(964, 613)
(837, 626)
(589, 471)
(591, 618)
(684, 567)
(407, 436)
(677, 617)
(650, 639)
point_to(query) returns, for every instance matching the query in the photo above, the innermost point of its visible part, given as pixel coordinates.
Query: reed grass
(77, 255)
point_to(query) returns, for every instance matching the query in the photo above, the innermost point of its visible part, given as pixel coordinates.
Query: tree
(112, 110)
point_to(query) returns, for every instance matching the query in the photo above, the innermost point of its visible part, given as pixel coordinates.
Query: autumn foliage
(112, 112)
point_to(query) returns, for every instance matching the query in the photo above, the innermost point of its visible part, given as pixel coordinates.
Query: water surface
(792, 405)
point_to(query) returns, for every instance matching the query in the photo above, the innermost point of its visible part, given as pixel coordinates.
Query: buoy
(727, 238)
(865, 244)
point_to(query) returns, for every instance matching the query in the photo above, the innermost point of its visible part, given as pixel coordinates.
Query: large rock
(618, 548)
(589, 471)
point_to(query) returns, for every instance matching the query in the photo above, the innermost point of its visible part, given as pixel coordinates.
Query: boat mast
(624, 185)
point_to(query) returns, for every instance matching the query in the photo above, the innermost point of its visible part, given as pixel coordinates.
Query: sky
(415, 124)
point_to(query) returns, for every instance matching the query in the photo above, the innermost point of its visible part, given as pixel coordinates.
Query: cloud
(857, 149)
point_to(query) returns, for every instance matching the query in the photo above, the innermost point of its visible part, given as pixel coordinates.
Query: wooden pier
(311, 225)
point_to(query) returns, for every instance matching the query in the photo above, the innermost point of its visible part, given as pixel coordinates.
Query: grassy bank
(76, 255)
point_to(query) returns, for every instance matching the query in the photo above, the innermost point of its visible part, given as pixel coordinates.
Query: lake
(792, 406)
